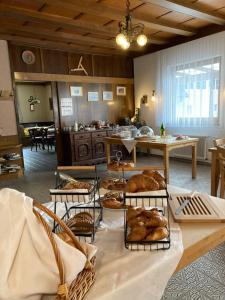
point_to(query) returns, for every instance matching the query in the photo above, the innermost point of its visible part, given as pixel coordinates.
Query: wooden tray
(199, 209)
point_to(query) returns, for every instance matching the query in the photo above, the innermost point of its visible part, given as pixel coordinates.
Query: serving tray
(199, 209)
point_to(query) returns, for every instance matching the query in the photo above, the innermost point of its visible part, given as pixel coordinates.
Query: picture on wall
(107, 96)
(76, 91)
(92, 96)
(121, 91)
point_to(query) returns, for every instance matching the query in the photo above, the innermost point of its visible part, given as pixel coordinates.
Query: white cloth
(129, 144)
(28, 268)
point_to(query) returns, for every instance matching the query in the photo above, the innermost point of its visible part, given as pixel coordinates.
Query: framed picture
(121, 91)
(76, 91)
(92, 96)
(107, 96)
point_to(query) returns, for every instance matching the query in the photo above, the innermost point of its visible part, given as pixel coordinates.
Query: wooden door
(83, 150)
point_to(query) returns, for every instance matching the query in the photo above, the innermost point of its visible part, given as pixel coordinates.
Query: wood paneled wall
(85, 111)
(60, 62)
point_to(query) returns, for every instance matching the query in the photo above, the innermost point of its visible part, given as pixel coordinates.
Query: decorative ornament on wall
(28, 57)
(80, 67)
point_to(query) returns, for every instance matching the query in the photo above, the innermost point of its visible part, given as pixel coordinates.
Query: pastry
(106, 182)
(141, 220)
(81, 222)
(140, 183)
(157, 176)
(112, 203)
(134, 212)
(157, 234)
(73, 185)
(156, 221)
(138, 233)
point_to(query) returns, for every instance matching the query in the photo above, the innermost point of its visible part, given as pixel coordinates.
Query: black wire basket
(77, 201)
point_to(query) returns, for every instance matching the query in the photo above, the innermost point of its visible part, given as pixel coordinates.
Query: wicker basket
(81, 285)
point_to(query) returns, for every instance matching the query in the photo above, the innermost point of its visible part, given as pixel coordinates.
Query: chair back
(34, 133)
(218, 142)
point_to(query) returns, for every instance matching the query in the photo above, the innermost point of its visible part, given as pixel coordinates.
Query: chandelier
(128, 32)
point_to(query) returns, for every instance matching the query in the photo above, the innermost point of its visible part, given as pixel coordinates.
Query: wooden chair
(219, 142)
(221, 157)
(48, 138)
(36, 138)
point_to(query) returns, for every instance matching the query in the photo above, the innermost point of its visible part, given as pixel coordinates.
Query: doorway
(36, 125)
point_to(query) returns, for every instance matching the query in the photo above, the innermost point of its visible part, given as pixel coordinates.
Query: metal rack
(79, 201)
(149, 200)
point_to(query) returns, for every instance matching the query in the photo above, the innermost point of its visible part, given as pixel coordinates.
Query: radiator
(204, 143)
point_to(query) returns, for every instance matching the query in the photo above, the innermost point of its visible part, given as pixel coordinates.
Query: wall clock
(28, 57)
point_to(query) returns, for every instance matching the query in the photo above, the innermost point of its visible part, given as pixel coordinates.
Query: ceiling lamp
(128, 32)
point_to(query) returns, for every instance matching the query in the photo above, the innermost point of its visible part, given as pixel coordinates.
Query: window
(191, 96)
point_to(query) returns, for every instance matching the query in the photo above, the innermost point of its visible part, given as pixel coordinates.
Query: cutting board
(199, 209)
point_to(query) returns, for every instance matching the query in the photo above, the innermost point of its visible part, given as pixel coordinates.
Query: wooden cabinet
(85, 147)
(82, 149)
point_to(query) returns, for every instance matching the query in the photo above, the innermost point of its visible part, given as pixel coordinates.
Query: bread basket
(82, 283)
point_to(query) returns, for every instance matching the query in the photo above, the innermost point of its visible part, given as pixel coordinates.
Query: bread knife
(184, 204)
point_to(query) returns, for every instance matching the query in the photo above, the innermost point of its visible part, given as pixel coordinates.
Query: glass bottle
(162, 130)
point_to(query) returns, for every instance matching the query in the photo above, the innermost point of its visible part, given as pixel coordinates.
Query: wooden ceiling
(90, 26)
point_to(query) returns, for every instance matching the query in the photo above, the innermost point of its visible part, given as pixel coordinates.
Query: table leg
(194, 160)
(134, 156)
(166, 164)
(214, 174)
(108, 156)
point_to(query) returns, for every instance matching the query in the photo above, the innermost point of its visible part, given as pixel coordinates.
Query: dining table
(133, 275)
(165, 145)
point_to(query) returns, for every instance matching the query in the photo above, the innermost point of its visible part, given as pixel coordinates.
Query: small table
(215, 171)
(165, 145)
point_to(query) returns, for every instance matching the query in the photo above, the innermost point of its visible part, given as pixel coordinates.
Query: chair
(36, 138)
(48, 138)
(219, 142)
(221, 157)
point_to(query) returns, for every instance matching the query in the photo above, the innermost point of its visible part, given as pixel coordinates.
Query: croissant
(140, 183)
(157, 234)
(157, 176)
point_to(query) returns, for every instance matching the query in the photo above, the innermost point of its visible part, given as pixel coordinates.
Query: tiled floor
(204, 279)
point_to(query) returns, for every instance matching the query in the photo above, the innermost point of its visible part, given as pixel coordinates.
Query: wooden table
(164, 145)
(215, 171)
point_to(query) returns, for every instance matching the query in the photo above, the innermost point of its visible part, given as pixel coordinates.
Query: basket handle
(60, 222)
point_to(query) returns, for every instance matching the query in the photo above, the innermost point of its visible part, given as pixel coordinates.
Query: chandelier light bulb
(125, 45)
(120, 39)
(142, 40)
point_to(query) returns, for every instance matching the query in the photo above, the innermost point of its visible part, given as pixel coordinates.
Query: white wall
(7, 108)
(42, 112)
(147, 70)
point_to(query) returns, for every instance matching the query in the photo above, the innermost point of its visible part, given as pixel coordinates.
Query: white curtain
(189, 84)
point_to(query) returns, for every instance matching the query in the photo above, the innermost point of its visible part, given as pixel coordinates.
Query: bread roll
(112, 203)
(74, 185)
(138, 233)
(157, 234)
(81, 222)
(140, 183)
(141, 220)
(134, 212)
(156, 221)
(157, 176)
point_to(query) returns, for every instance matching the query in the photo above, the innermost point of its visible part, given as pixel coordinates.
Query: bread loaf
(137, 233)
(82, 222)
(74, 185)
(157, 176)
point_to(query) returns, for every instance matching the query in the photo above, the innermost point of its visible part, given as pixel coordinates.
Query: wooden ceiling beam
(35, 42)
(190, 9)
(59, 36)
(65, 22)
(104, 11)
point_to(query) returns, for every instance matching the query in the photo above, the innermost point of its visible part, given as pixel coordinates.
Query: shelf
(13, 175)
(8, 147)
